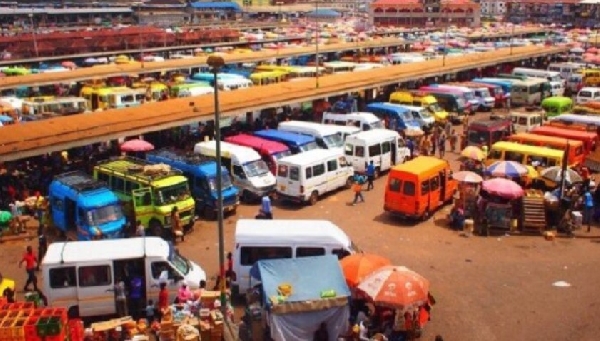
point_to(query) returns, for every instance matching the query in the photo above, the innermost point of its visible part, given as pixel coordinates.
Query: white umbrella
(555, 174)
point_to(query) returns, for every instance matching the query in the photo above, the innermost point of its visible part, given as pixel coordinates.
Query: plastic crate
(3, 314)
(28, 305)
(60, 313)
(47, 312)
(5, 329)
(17, 330)
(13, 314)
(30, 329)
(37, 312)
(27, 312)
(61, 336)
(75, 330)
(16, 306)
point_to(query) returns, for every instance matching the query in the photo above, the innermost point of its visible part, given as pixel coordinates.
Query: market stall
(301, 295)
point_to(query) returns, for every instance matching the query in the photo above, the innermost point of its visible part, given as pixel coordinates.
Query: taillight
(301, 189)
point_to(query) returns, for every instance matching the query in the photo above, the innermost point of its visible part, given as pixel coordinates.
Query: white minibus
(382, 146)
(271, 239)
(306, 176)
(229, 84)
(588, 94)
(363, 120)
(345, 131)
(82, 275)
(566, 69)
(557, 89)
(248, 170)
(327, 136)
(551, 76)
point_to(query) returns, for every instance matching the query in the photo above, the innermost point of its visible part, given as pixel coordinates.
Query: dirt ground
(487, 288)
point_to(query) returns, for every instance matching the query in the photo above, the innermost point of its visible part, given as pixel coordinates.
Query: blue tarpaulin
(324, 13)
(233, 6)
(299, 315)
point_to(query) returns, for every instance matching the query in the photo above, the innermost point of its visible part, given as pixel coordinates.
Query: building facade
(492, 8)
(562, 12)
(424, 13)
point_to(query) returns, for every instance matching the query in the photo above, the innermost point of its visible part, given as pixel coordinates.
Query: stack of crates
(24, 322)
(76, 330)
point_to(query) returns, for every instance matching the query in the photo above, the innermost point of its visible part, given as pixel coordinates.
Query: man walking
(370, 175)
(30, 261)
(357, 187)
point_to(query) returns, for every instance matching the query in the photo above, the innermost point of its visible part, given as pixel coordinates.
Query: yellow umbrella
(473, 153)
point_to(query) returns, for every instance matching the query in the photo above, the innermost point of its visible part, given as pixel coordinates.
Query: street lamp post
(445, 43)
(318, 34)
(279, 21)
(512, 36)
(216, 63)
(35, 44)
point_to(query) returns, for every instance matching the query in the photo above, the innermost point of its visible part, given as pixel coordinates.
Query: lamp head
(215, 62)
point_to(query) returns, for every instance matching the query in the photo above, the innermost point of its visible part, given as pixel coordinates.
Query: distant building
(424, 13)
(563, 12)
(492, 8)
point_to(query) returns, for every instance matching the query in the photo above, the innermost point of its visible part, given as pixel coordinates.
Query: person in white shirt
(363, 331)
(140, 229)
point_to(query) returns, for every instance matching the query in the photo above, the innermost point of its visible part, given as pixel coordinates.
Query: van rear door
(289, 180)
(95, 290)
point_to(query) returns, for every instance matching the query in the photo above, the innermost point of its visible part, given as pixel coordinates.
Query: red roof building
(581, 13)
(425, 13)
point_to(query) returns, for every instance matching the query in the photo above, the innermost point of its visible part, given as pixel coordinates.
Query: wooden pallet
(533, 214)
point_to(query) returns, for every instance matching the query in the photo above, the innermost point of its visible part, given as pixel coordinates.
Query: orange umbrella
(358, 266)
(396, 287)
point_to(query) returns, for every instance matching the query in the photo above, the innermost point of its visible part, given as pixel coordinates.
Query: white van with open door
(382, 146)
(304, 177)
(82, 275)
(266, 239)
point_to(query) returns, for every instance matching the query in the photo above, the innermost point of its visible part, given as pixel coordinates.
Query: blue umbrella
(509, 169)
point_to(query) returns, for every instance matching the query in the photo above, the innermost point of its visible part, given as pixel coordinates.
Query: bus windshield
(255, 168)
(478, 137)
(309, 146)
(171, 194)
(180, 263)
(225, 182)
(103, 215)
(280, 155)
(379, 124)
(469, 95)
(333, 141)
(485, 93)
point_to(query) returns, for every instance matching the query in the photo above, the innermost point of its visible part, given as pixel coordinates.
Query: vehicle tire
(314, 197)
(209, 213)
(155, 228)
(377, 172)
(349, 182)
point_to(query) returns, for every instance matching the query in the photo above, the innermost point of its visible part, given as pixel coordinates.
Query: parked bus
(452, 100)
(550, 76)
(125, 97)
(576, 152)
(268, 77)
(202, 176)
(97, 97)
(190, 89)
(589, 139)
(148, 192)
(487, 132)
(297, 143)
(487, 100)
(530, 91)
(503, 83)
(469, 94)
(59, 105)
(326, 135)
(537, 157)
(84, 207)
(554, 106)
(590, 77)
(566, 69)
(339, 67)
(393, 117)
(270, 151)
(385, 148)
(420, 99)
(363, 120)
(591, 123)
(419, 187)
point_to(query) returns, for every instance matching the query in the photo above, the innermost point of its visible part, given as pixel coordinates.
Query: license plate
(282, 188)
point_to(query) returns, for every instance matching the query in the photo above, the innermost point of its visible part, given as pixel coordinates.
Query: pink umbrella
(136, 146)
(504, 188)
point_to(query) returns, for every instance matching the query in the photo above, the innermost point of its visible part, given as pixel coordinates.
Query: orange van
(415, 189)
(576, 151)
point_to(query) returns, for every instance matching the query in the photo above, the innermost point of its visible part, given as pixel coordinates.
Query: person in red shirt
(30, 261)
(163, 299)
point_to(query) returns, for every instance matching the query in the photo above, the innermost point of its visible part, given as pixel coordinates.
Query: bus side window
(162, 269)
(95, 275)
(62, 277)
(309, 251)
(340, 253)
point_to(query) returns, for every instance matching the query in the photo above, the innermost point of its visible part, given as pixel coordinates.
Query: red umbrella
(396, 287)
(136, 146)
(504, 188)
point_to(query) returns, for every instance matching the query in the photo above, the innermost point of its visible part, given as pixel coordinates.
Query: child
(150, 312)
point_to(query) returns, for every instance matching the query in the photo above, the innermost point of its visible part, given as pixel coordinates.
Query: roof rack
(189, 158)
(80, 181)
(137, 168)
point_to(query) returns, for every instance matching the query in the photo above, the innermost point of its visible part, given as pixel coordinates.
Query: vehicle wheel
(155, 228)
(314, 197)
(209, 213)
(377, 172)
(349, 182)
